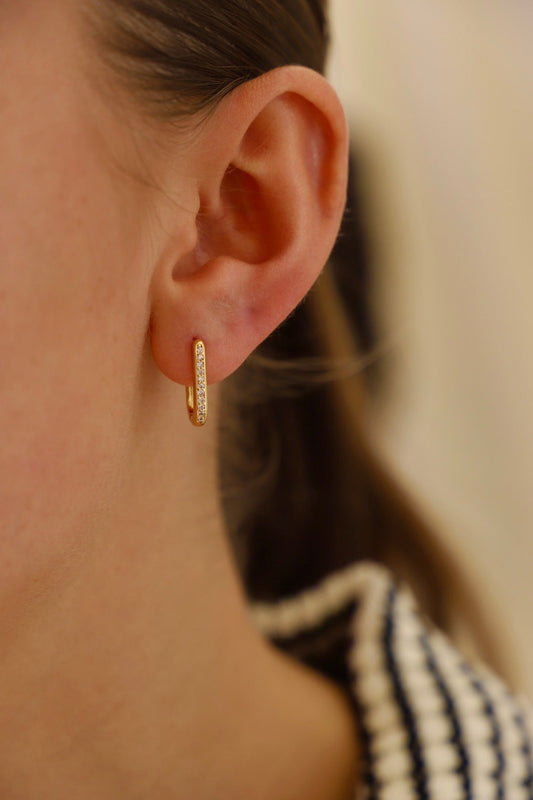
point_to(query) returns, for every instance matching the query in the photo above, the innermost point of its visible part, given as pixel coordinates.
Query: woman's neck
(137, 672)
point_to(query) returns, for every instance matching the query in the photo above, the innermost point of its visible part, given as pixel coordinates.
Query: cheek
(73, 321)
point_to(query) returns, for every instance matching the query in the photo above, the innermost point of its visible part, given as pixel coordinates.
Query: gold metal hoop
(196, 395)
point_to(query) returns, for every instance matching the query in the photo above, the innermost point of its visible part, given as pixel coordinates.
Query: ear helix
(196, 395)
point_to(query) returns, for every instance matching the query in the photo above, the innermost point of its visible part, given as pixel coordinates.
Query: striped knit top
(433, 727)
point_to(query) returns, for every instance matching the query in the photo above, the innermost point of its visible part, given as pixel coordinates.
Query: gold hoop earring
(196, 395)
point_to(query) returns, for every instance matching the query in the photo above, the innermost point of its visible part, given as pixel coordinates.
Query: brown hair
(303, 489)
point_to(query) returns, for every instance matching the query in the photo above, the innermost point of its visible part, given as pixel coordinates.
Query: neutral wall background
(440, 99)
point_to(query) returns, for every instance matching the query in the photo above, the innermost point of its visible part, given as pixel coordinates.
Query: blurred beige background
(440, 99)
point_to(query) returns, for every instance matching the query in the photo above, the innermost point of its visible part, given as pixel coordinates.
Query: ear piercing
(196, 395)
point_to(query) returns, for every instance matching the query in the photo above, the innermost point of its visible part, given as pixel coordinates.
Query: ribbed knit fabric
(433, 727)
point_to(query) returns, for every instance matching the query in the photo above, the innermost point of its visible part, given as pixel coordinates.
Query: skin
(129, 666)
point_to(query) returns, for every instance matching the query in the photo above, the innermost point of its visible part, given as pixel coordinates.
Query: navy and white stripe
(432, 726)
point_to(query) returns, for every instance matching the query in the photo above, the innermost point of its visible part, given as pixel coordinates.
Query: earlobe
(271, 166)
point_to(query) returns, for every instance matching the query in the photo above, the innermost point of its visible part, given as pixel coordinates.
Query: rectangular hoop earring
(196, 395)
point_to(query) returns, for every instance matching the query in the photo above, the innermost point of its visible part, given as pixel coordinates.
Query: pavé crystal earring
(197, 394)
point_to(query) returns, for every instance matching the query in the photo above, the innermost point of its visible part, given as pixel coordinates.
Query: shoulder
(432, 724)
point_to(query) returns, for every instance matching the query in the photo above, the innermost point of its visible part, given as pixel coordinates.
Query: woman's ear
(270, 169)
